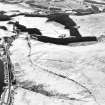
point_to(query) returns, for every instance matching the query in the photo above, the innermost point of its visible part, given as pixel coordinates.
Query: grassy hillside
(62, 4)
(91, 24)
(58, 3)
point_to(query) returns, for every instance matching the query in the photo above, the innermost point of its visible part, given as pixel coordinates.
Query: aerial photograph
(52, 52)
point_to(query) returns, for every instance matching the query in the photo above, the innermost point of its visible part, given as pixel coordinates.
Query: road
(6, 78)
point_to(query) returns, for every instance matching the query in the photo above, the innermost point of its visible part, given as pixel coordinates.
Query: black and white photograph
(52, 52)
